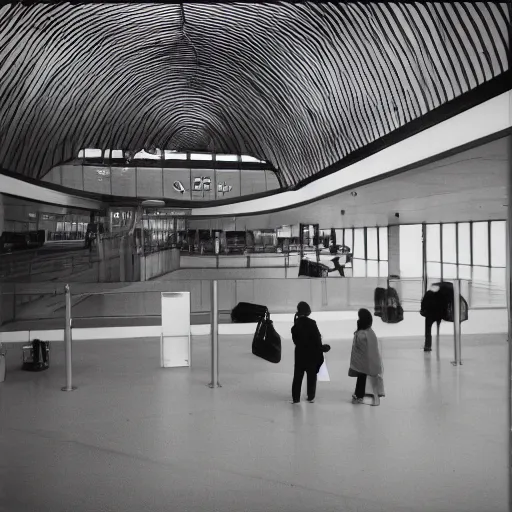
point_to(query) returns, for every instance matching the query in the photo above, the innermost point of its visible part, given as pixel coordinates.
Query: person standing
(365, 359)
(432, 308)
(308, 352)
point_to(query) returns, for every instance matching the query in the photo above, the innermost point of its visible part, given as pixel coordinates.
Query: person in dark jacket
(432, 308)
(309, 355)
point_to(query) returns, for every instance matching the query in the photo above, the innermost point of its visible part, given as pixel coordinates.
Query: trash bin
(2, 363)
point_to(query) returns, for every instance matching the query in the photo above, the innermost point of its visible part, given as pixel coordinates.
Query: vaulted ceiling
(300, 85)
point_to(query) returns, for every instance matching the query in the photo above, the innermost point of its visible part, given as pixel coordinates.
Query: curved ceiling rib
(298, 85)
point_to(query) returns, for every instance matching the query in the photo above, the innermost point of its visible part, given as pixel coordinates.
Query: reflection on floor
(135, 437)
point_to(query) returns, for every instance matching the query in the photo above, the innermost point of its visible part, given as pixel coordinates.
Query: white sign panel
(175, 337)
(323, 373)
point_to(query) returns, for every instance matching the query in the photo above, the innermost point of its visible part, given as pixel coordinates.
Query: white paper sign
(175, 337)
(323, 374)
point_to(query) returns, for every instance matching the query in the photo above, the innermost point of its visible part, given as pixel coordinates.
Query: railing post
(456, 323)
(67, 342)
(214, 336)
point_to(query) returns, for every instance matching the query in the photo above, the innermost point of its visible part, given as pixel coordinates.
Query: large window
(369, 247)
(464, 238)
(372, 246)
(470, 250)
(499, 244)
(411, 251)
(359, 249)
(480, 243)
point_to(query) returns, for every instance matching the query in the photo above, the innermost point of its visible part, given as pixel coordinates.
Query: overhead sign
(223, 188)
(202, 184)
(178, 186)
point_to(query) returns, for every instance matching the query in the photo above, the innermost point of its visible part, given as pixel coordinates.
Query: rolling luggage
(245, 312)
(267, 342)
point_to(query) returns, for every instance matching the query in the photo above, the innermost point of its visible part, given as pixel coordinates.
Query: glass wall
(165, 174)
(469, 250)
(411, 251)
(369, 249)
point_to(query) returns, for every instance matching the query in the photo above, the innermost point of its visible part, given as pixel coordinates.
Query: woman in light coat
(365, 359)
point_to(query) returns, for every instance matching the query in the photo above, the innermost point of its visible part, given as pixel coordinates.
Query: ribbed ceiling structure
(298, 85)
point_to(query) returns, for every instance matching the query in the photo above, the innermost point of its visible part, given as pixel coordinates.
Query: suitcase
(245, 312)
(267, 342)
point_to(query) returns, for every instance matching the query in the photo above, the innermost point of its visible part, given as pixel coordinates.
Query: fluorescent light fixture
(201, 156)
(247, 158)
(226, 158)
(173, 155)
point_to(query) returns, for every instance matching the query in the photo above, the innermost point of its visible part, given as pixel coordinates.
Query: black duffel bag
(245, 312)
(267, 342)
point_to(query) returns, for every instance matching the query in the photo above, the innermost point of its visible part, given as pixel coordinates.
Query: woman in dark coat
(365, 359)
(309, 355)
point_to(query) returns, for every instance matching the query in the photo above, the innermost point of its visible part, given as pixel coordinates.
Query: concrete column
(394, 250)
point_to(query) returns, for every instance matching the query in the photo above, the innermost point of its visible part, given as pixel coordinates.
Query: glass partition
(111, 302)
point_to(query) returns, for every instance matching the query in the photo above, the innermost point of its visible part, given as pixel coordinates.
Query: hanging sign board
(175, 336)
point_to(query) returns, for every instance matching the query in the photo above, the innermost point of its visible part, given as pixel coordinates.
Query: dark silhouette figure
(338, 267)
(432, 308)
(309, 355)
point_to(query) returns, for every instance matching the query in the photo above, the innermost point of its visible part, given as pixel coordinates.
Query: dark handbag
(267, 342)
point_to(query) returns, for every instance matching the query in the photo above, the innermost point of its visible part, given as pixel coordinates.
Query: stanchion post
(456, 323)
(67, 342)
(214, 322)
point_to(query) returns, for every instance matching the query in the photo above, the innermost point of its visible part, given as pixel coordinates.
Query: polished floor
(135, 437)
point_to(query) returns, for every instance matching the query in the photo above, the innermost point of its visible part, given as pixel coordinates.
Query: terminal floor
(135, 437)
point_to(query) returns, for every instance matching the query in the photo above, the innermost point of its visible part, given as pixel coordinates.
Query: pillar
(509, 306)
(394, 250)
